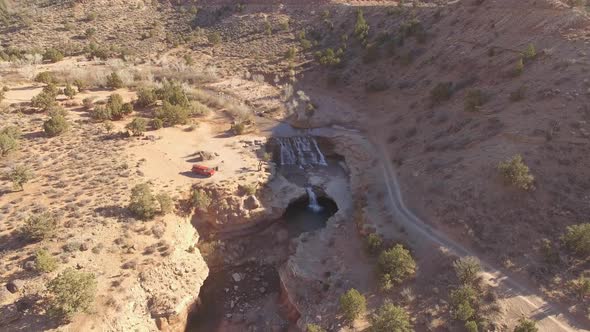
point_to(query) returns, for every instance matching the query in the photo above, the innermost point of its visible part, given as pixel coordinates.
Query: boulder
(15, 285)
(251, 203)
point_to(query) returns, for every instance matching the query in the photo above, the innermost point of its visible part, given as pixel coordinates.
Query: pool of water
(301, 218)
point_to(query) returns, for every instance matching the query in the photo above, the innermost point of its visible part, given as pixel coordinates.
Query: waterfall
(300, 150)
(313, 201)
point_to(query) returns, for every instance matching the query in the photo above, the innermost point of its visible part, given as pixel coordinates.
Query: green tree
(71, 292)
(526, 325)
(391, 318)
(173, 93)
(466, 269)
(374, 243)
(396, 265)
(44, 261)
(45, 100)
(581, 287)
(471, 326)
(39, 226)
(56, 125)
(517, 173)
(114, 81)
(577, 239)
(143, 203)
(166, 203)
(138, 126)
(463, 300)
(352, 304)
(146, 97)
(171, 114)
(19, 175)
(46, 77)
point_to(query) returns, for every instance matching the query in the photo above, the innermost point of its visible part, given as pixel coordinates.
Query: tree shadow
(193, 175)
(27, 314)
(112, 211)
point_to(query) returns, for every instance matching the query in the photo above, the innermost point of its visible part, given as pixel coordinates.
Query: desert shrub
(361, 28)
(441, 93)
(519, 67)
(171, 114)
(56, 125)
(517, 173)
(69, 91)
(101, 113)
(580, 287)
(466, 269)
(114, 81)
(81, 85)
(577, 239)
(198, 108)
(463, 300)
(137, 127)
(172, 93)
(146, 97)
(9, 137)
(95, 51)
(328, 57)
(518, 94)
(267, 28)
(45, 100)
(352, 304)
(127, 109)
(239, 128)
(374, 243)
(108, 126)
(39, 226)
(88, 103)
(474, 99)
(157, 124)
(53, 55)
(89, 33)
(395, 265)
(214, 38)
(526, 325)
(471, 326)
(19, 175)
(314, 328)
(46, 77)
(143, 203)
(291, 53)
(71, 292)
(200, 199)
(391, 318)
(44, 261)
(165, 202)
(530, 52)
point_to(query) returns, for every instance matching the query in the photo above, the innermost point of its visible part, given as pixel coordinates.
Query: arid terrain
(297, 165)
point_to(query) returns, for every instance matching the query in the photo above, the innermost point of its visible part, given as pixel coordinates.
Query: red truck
(203, 170)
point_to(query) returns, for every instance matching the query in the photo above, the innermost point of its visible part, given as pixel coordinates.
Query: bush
(172, 114)
(172, 93)
(69, 91)
(45, 77)
(471, 326)
(52, 55)
(328, 57)
(239, 128)
(127, 109)
(391, 318)
(374, 243)
(89, 33)
(157, 124)
(519, 68)
(101, 113)
(525, 325)
(198, 108)
(200, 199)
(577, 239)
(361, 28)
(138, 126)
(314, 328)
(88, 103)
(516, 173)
(291, 53)
(530, 52)
(214, 38)
(19, 175)
(581, 287)
(114, 81)
(9, 137)
(466, 269)
(146, 97)
(396, 265)
(71, 292)
(143, 204)
(463, 300)
(56, 125)
(474, 99)
(39, 226)
(165, 202)
(441, 92)
(352, 304)
(81, 85)
(44, 261)
(45, 100)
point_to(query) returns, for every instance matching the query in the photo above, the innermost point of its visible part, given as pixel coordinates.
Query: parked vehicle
(203, 170)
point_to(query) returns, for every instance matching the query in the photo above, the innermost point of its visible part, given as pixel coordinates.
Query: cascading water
(313, 201)
(301, 151)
